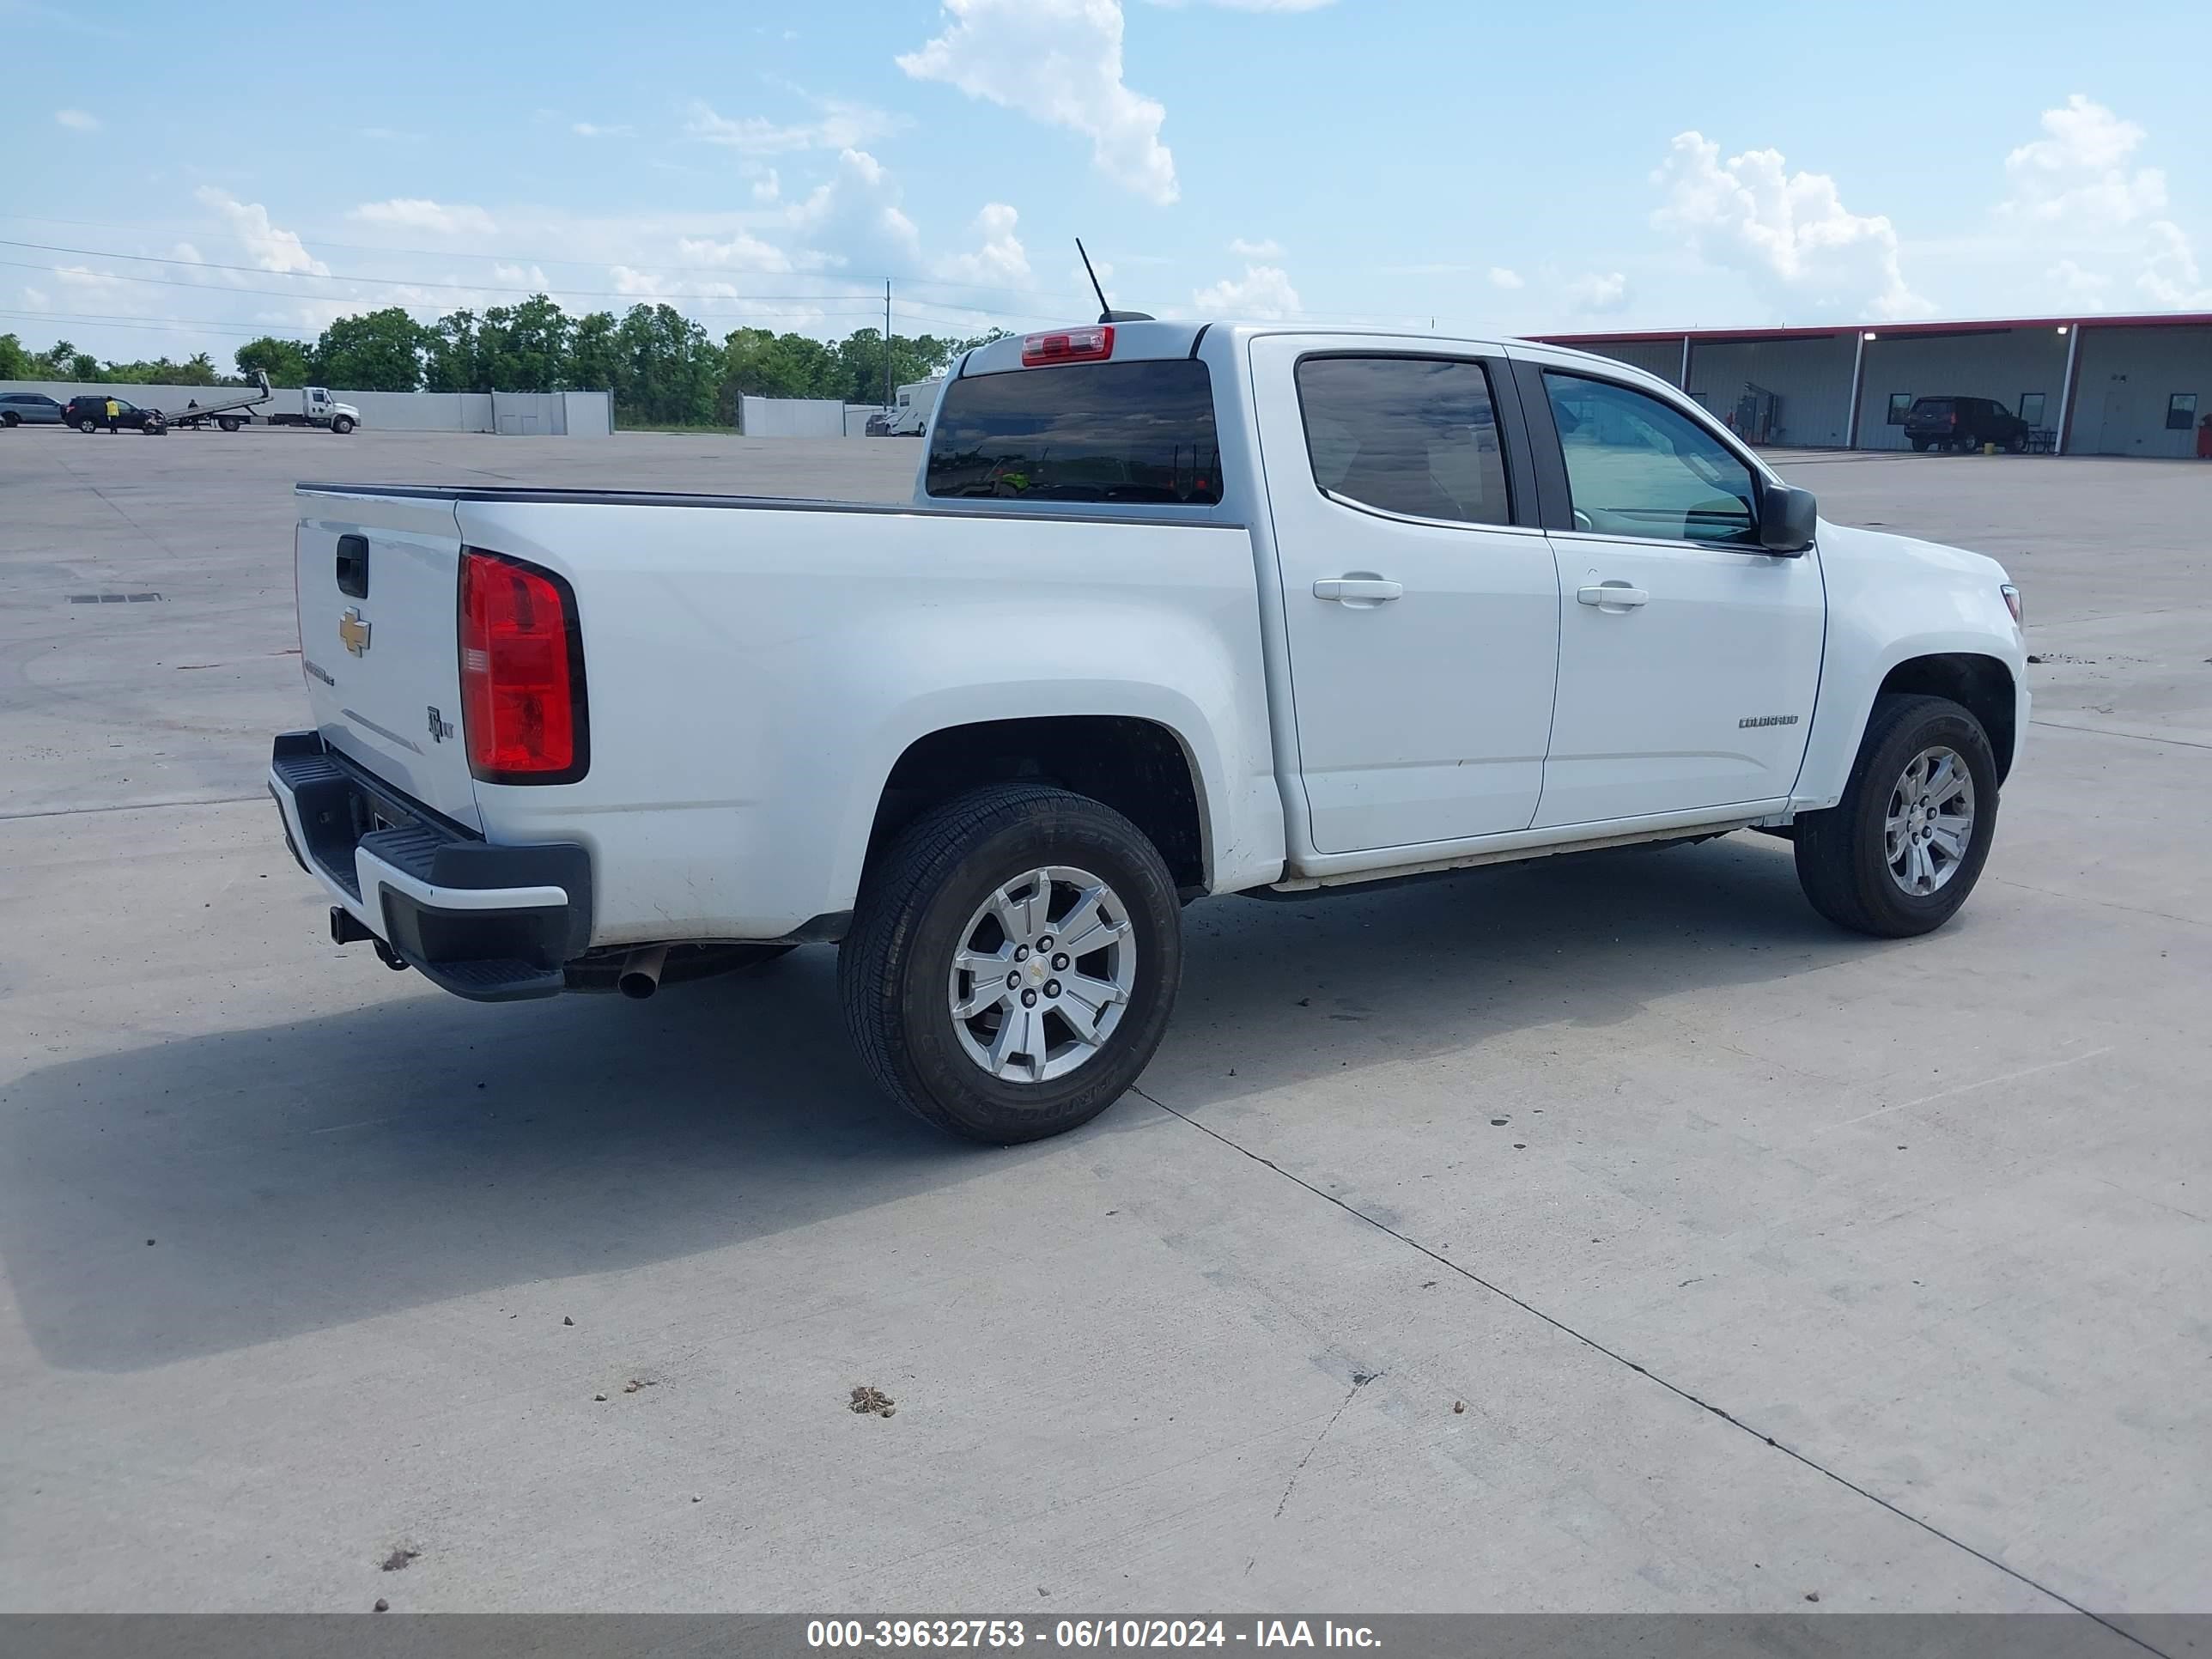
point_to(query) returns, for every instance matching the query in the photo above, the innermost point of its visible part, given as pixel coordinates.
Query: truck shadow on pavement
(305, 1175)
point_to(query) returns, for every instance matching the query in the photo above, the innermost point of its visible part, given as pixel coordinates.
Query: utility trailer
(231, 413)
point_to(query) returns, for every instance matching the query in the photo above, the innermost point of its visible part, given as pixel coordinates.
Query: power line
(321, 240)
(408, 283)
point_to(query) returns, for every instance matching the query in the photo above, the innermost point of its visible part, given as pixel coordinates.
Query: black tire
(1842, 858)
(11, 419)
(893, 970)
(342, 426)
(1920, 446)
(87, 425)
(2017, 444)
(227, 423)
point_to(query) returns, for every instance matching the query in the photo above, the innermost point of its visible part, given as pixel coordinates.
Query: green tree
(284, 361)
(524, 348)
(668, 369)
(758, 364)
(16, 363)
(377, 351)
(452, 362)
(593, 358)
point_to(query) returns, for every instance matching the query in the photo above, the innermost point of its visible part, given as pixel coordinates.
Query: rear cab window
(1930, 409)
(1136, 432)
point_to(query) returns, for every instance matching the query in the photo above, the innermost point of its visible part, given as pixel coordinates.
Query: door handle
(1611, 596)
(1357, 590)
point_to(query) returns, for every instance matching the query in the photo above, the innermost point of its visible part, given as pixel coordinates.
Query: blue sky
(1490, 168)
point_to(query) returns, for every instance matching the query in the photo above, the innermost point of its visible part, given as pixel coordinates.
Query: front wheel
(342, 426)
(1899, 854)
(1012, 963)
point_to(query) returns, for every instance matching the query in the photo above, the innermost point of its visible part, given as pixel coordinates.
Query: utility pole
(887, 342)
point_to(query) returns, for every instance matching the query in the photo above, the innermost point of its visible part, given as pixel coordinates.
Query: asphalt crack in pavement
(1619, 1359)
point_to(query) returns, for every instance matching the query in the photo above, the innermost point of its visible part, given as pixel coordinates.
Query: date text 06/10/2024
(1082, 1634)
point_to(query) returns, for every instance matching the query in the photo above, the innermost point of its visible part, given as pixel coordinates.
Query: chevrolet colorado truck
(1176, 610)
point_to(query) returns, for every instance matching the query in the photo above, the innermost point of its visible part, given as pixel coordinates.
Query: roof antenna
(1106, 313)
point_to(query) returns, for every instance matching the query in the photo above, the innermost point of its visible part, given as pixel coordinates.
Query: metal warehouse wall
(1997, 366)
(1659, 357)
(1811, 377)
(2124, 383)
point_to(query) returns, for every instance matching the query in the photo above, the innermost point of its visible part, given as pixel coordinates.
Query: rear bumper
(492, 924)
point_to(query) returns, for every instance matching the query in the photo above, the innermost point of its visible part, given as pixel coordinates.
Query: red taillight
(1093, 344)
(522, 674)
(1950, 420)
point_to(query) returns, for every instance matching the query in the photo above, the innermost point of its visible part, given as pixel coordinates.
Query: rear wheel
(1012, 963)
(1920, 446)
(1899, 854)
(11, 418)
(88, 424)
(227, 423)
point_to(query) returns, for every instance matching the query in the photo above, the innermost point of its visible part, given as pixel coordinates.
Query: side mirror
(1788, 518)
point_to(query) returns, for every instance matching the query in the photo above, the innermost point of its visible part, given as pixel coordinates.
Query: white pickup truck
(1176, 610)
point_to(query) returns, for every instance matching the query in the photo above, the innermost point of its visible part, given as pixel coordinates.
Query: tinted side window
(1080, 432)
(1637, 467)
(1417, 436)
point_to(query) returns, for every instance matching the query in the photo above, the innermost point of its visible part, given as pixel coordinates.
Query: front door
(1688, 657)
(1422, 620)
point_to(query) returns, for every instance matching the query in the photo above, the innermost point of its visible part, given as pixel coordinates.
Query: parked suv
(87, 412)
(1964, 423)
(28, 409)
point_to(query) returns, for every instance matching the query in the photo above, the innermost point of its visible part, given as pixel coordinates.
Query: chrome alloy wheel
(1041, 974)
(1929, 823)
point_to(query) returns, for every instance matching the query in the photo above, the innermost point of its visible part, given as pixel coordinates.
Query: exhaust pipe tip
(641, 974)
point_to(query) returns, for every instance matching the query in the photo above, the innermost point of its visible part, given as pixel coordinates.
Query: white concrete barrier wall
(792, 417)
(539, 412)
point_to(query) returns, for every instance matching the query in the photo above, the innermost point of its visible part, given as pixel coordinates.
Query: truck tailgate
(379, 584)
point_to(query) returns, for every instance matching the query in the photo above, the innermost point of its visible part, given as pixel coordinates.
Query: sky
(179, 179)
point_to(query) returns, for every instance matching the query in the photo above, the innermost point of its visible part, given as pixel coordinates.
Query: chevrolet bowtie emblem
(354, 632)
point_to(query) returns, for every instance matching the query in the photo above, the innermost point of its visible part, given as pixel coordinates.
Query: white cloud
(269, 247)
(77, 120)
(1501, 277)
(1270, 249)
(417, 213)
(740, 251)
(1250, 5)
(841, 126)
(2078, 287)
(1058, 62)
(1000, 261)
(530, 277)
(593, 130)
(1596, 292)
(1789, 232)
(2172, 276)
(1263, 292)
(855, 219)
(2076, 176)
(767, 187)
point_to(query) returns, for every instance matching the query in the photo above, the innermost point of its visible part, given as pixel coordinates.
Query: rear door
(1420, 598)
(1688, 655)
(379, 590)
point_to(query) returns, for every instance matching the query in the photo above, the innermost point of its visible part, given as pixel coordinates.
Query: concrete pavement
(1799, 1264)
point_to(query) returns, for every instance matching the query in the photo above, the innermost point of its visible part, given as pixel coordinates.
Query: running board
(1523, 846)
